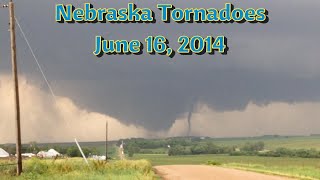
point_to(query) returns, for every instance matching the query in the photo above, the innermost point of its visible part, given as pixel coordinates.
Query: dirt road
(202, 172)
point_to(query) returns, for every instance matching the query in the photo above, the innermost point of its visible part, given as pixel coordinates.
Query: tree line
(194, 146)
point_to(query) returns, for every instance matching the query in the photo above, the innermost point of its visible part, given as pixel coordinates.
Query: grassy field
(76, 169)
(293, 167)
(271, 143)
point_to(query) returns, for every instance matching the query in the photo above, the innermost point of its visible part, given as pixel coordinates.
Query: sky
(266, 84)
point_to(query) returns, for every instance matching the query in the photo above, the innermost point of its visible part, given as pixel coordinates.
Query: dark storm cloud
(266, 62)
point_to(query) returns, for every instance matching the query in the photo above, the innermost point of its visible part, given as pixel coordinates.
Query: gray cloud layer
(266, 63)
(46, 121)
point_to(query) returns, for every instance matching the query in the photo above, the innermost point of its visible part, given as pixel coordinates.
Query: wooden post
(106, 141)
(16, 86)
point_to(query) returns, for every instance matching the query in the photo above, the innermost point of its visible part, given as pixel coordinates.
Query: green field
(75, 168)
(273, 142)
(304, 168)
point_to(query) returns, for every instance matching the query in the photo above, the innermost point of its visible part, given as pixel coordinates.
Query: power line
(36, 60)
(40, 68)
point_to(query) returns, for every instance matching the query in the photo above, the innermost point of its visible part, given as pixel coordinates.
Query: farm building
(49, 154)
(3, 153)
(28, 155)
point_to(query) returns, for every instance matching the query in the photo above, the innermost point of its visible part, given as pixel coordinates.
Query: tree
(33, 147)
(200, 149)
(253, 147)
(73, 152)
(214, 149)
(131, 149)
(178, 150)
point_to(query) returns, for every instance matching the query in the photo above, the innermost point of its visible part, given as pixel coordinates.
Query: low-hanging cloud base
(276, 118)
(46, 120)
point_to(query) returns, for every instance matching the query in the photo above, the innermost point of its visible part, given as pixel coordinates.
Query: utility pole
(16, 86)
(106, 141)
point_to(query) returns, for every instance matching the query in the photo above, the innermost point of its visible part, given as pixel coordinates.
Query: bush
(213, 163)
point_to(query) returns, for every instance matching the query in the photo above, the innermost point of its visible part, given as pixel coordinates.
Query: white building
(100, 158)
(3, 153)
(28, 155)
(49, 154)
